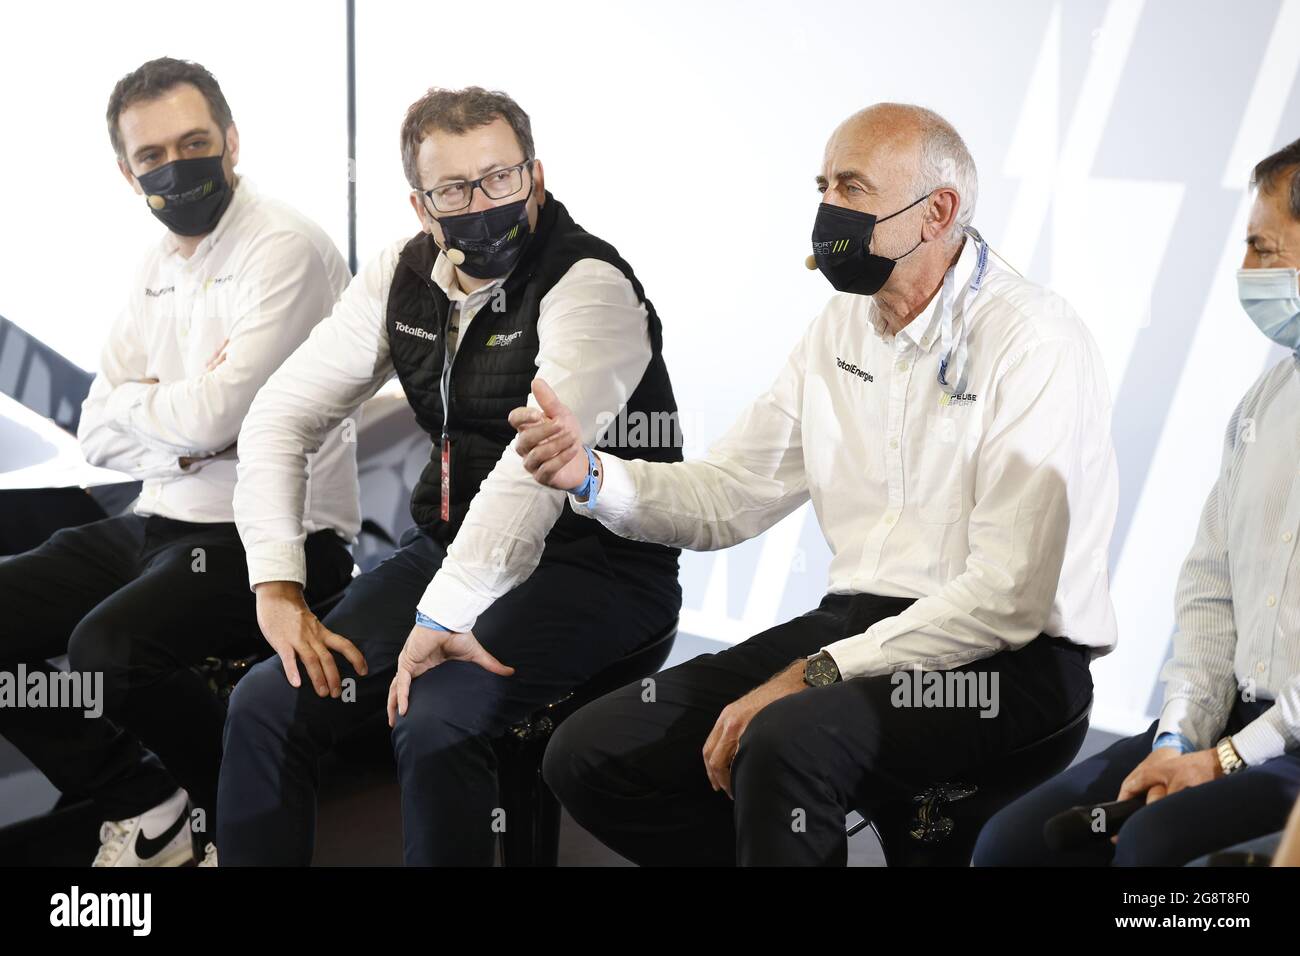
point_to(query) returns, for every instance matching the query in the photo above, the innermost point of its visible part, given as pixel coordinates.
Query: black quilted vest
(493, 368)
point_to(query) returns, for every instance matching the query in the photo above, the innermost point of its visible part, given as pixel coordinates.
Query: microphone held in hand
(1077, 827)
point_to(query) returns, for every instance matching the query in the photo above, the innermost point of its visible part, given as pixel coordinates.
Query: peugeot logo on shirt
(500, 339)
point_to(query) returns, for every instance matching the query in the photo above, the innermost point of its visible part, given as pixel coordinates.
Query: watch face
(821, 671)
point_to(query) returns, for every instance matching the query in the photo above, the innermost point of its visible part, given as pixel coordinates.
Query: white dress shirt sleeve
(594, 347)
(122, 360)
(1017, 528)
(1200, 679)
(751, 478)
(342, 363)
(284, 291)
(1273, 732)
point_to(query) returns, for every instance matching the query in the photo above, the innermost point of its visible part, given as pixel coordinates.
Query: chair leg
(547, 826)
(515, 785)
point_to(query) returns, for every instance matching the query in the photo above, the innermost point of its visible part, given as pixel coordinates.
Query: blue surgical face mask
(1271, 297)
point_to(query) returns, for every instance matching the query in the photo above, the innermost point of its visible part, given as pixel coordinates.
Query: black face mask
(188, 196)
(841, 241)
(491, 240)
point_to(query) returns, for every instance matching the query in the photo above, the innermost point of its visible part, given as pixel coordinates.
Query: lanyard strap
(952, 321)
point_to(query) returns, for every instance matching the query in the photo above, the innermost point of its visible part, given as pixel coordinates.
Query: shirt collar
(444, 276)
(245, 194)
(923, 331)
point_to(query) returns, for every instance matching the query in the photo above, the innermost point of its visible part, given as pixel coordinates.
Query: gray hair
(946, 163)
(1271, 169)
(458, 112)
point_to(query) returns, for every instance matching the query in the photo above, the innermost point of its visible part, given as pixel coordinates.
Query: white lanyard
(952, 319)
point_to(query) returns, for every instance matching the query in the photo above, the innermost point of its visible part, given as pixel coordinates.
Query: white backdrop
(1113, 140)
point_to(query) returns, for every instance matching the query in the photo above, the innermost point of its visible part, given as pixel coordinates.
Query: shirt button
(890, 518)
(1260, 667)
(902, 366)
(1286, 536)
(1271, 600)
(893, 443)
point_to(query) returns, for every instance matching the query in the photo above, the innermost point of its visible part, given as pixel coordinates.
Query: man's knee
(771, 745)
(574, 765)
(262, 700)
(101, 644)
(1153, 837)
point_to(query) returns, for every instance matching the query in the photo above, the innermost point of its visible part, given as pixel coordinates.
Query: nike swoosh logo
(146, 847)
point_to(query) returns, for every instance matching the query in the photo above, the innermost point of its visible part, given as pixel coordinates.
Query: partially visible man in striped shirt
(1221, 765)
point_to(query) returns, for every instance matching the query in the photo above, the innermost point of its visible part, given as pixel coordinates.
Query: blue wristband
(1170, 739)
(589, 485)
(423, 620)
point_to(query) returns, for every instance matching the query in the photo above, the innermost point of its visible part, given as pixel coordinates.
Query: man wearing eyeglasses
(499, 600)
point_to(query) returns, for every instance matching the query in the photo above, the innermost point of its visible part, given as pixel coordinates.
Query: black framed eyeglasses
(498, 184)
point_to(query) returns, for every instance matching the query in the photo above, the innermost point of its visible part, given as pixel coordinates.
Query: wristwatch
(820, 670)
(1229, 759)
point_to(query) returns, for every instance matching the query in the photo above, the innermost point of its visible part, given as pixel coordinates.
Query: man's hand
(218, 356)
(1165, 771)
(230, 451)
(426, 648)
(724, 740)
(550, 441)
(294, 633)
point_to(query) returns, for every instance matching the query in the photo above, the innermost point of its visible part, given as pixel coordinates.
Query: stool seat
(532, 813)
(941, 822)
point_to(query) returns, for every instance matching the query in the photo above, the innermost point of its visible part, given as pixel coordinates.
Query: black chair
(940, 825)
(532, 813)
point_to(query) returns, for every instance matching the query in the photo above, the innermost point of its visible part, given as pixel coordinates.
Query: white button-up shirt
(994, 507)
(593, 348)
(261, 279)
(1238, 597)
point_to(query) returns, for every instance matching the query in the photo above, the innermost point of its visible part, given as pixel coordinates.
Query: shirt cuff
(423, 620)
(617, 491)
(858, 656)
(450, 603)
(1262, 739)
(1183, 716)
(122, 400)
(277, 562)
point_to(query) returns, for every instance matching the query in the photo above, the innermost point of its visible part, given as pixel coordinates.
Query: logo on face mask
(188, 196)
(492, 240)
(841, 242)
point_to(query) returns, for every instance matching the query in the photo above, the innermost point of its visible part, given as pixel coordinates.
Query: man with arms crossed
(231, 289)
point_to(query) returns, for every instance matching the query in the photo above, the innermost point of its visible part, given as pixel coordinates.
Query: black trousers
(139, 600)
(629, 767)
(579, 611)
(1173, 831)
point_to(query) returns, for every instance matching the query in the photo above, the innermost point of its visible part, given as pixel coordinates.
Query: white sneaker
(209, 856)
(158, 837)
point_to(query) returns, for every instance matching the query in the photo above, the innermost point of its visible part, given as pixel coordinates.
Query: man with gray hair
(950, 423)
(476, 621)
